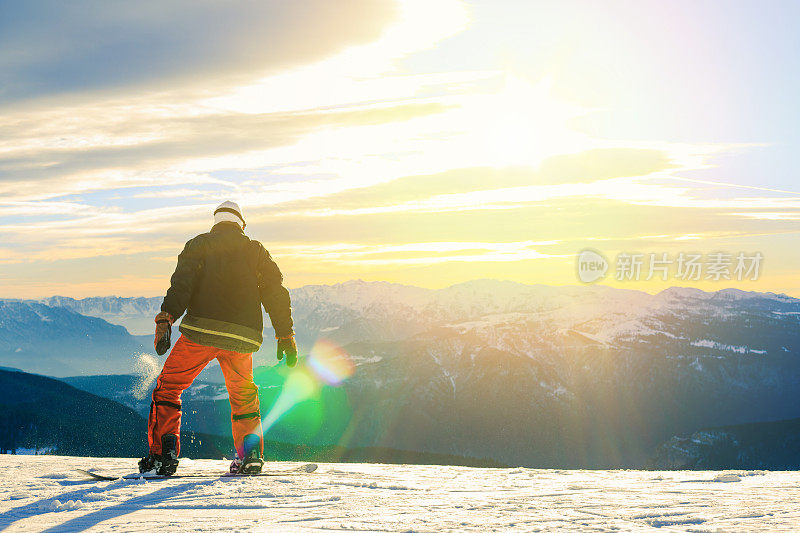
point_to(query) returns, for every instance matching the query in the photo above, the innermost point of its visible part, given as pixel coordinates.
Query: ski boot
(164, 464)
(169, 454)
(252, 462)
(150, 464)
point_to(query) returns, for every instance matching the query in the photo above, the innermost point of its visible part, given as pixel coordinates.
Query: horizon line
(432, 289)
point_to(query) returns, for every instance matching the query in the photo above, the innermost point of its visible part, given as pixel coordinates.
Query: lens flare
(326, 364)
(330, 363)
(298, 387)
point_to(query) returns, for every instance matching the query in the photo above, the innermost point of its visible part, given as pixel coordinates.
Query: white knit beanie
(229, 212)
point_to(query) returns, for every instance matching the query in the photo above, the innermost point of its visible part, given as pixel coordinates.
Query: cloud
(419, 253)
(771, 215)
(567, 218)
(121, 130)
(424, 248)
(179, 139)
(412, 192)
(49, 48)
(605, 163)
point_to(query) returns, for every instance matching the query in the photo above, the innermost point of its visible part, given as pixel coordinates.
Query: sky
(420, 142)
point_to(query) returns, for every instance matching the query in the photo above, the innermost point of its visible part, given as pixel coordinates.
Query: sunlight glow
(355, 75)
(523, 123)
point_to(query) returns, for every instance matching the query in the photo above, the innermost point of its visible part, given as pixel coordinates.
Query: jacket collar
(226, 226)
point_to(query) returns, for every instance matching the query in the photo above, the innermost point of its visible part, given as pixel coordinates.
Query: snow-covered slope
(43, 493)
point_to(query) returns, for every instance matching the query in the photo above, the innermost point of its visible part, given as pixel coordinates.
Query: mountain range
(42, 415)
(57, 341)
(533, 375)
(755, 446)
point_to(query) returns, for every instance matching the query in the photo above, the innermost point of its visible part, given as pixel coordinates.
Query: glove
(163, 339)
(287, 346)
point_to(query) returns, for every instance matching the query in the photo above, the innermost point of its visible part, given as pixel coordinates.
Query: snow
(727, 478)
(43, 493)
(35, 451)
(366, 360)
(146, 367)
(723, 294)
(706, 343)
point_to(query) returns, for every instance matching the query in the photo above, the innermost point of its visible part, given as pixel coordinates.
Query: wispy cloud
(419, 253)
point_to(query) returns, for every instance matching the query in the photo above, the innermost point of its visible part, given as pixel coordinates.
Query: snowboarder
(221, 281)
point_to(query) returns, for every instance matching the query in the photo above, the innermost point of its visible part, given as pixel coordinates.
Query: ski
(302, 469)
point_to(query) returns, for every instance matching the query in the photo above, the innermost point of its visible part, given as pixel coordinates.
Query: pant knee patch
(168, 404)
(244, 416)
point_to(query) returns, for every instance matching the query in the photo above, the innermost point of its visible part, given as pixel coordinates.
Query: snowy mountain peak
(682, 292)
(729, 294)
(491, 285)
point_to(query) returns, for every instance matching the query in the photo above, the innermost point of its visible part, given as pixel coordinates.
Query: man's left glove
(287, 346)
(163, 339)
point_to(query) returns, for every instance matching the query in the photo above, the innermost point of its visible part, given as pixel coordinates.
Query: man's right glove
(163, 339)
(287, 346)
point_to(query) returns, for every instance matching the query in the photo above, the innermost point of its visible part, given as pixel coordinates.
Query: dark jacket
(221, 281)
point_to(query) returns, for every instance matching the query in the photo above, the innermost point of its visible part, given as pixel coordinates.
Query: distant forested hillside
(46, 414)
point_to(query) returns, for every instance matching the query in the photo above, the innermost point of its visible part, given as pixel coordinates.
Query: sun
(522, 123)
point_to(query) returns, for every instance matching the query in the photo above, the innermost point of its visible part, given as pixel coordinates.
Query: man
(221, 281)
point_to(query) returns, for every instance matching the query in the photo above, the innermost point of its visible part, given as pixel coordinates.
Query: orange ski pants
(184, 363)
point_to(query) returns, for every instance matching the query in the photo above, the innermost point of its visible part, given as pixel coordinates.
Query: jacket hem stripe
(222, 334)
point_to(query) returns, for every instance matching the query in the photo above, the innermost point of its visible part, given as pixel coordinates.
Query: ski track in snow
(43, 493)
